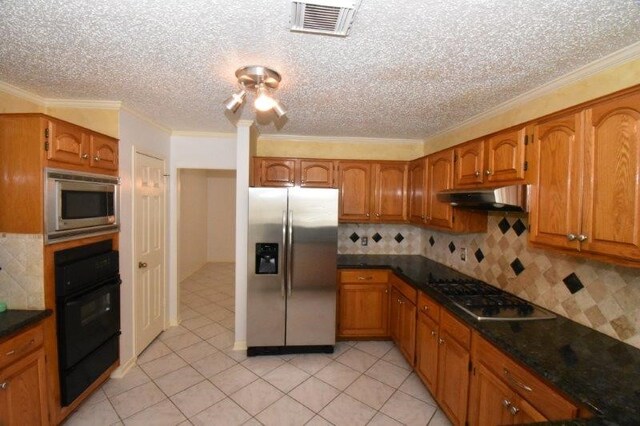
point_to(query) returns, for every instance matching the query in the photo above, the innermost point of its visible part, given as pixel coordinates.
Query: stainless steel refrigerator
(291, 288)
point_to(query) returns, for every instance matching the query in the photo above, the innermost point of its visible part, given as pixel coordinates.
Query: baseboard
(240, 345)
(124, 368)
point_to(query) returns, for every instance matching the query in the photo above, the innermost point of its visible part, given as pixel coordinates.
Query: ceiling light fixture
(259, 79)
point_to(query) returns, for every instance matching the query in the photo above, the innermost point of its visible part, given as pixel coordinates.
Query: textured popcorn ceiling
(408, 69)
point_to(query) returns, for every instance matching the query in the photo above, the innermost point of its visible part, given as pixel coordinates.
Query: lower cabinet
(23, 388)
(363, 303)
(403, 318)
(427, 346)
(503, 392)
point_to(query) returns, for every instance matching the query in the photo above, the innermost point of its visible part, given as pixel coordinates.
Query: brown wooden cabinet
(440, 168)
(403, 318)
(363, 303)
(503, 392)
(373, 191)
(103, 152)
(427, 341)
(285, 172)
(417, 186)
(587, 194)
(23, 383)
(469, 164)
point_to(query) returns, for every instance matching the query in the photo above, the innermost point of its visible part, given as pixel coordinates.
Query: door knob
(441, 341)
(85, 156)
(582, 238)
(4, 385)
(506, 403)
(477, 173)
(142, 264)
(513, 410)
(571, 237)
(487, 172)
(96, 158)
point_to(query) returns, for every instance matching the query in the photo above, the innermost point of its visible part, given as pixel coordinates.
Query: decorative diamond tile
(519, 227)
(431, 241)
(573, 283)
(376, 237)
(517, 266)
(504, 225)
(452, 247)
(398, 237)
(479, 255)
(354, 237)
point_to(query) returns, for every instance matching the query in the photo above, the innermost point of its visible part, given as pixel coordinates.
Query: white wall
(136, 134)
(194, 221)
(191, 152)
(221, 214)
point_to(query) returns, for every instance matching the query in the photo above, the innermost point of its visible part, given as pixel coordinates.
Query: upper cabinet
(440, 169)
(283, 172)
(495, 160)
(417, 186)
(587, 192)
(373, 192)
(72, 147)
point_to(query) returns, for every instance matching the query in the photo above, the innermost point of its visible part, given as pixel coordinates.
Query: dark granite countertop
(14, 320)
(589, 367)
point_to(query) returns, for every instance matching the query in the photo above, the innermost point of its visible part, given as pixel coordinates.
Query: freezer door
(266, 267)
(311, 300)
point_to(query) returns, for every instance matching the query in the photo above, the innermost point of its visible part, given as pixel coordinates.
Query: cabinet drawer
(428, 306)
(460, 332)
(364, 276)
(540, 395)
(16, 347)
(407, 290)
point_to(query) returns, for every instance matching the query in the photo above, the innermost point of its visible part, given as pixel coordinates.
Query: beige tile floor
(191, 375)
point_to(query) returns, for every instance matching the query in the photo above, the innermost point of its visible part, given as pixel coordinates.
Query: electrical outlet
(364, 241)
(463, 254)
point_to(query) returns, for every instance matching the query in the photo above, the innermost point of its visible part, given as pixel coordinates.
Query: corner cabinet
(587, 192)
(23, 383)
(363, 303)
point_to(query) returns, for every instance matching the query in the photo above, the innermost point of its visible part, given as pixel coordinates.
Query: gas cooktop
(487, 303)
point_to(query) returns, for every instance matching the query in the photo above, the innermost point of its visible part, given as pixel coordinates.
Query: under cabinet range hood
(514, 198)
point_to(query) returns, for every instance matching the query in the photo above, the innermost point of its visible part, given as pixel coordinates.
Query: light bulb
(263, 101)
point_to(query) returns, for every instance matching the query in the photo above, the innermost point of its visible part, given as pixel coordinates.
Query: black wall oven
(88, 315)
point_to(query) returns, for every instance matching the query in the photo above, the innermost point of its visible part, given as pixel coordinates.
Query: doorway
(206, 253)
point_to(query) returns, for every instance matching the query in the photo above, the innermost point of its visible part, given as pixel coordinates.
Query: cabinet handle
(96, 158)
(367, 214)
(85, 156)
(487, 172)
(477, 173)
(377, 214)
(515, 381)
(433, 333)
(582, 238)
(425, 308)
(386, 291)
(22, 349)
(423, 217)
(571, 237)
(513, 410)
(506, 403)
(441, 341)
(361, 278)
(4, 385)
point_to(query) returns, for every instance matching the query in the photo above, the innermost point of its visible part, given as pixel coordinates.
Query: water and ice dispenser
(266, 258)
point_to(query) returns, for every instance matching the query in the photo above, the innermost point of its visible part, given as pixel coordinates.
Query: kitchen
(603, 295)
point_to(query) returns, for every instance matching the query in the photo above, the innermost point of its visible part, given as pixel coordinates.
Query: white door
(149, 246)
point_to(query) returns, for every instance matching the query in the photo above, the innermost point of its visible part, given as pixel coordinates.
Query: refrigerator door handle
(290, 254)
(284, 257)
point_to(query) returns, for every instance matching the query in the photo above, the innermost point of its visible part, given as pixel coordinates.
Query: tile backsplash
(22, 271)
(599, 295)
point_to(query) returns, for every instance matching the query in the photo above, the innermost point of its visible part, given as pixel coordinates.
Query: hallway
(191, 375)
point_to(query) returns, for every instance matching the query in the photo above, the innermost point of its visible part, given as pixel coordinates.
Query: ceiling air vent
(331, 17)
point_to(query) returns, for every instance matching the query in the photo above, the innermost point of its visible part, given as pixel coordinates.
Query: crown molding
(146, 119)
(196, 134)
(83, 104)
(624, 55)
(21, 93)
(332, 139)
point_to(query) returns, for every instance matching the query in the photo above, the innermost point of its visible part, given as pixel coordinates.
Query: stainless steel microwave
(79, 204)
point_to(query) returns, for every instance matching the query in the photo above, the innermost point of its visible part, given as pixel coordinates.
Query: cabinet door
(395, 319)
(556, 196)
(505, 154)
(439, 178)
(611, 214)
(408, 330)
(490, 399)
(364, 310)
(103, 152)
(525, 413)
(67, 144)
(453, 377)
(317, 174)
(469, 164)
(355, 191)
(390, 193)
(275, 172)
(427, 351)
(23, 392)
(417, 187)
